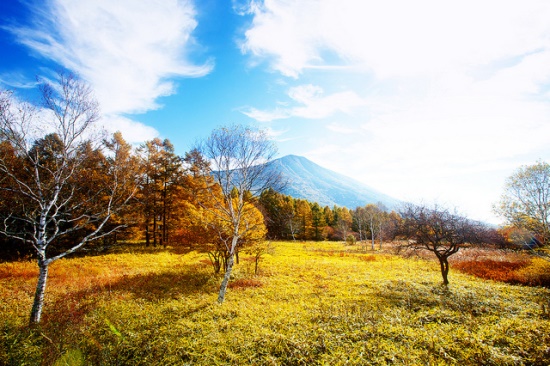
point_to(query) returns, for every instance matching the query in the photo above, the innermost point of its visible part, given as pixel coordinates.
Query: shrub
(537, 273)
(350, 239)
(534, 272)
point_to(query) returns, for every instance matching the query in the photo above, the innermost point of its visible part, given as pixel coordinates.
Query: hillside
(314, 183)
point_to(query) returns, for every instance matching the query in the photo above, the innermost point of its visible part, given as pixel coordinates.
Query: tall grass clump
(309, 304)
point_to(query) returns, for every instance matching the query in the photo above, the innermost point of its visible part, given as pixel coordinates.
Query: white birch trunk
(225, 281)
(372, 234)
(38, 303)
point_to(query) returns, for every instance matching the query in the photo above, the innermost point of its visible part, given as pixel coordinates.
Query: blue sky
(425, 101)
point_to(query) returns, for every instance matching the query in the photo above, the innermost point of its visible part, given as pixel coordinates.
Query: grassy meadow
(311, 304)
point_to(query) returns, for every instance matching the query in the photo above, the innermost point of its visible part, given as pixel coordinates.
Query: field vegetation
(309, 303)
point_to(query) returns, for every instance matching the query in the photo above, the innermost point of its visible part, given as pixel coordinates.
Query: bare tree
(52, 195)
(371, 218)
(343, 220)
(240, 169)
(359, 222)
(289, 218)
(439, 231)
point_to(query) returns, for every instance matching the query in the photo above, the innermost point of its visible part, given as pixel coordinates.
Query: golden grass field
(311, 304)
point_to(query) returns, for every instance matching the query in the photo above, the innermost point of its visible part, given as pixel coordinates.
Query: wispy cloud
(265, 116)
(16, 80)
(127, 50)
(309, 101)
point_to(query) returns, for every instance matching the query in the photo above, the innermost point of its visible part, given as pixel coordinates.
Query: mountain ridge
(310, 181)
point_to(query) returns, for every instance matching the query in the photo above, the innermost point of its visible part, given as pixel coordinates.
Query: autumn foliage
(528, 271)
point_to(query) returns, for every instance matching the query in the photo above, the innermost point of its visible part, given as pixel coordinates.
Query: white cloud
(133, 131)
(456, 93)
(340, 128)
(394, 38)
(315, 105)
(265, 116)
(126, 50)
(311, 103)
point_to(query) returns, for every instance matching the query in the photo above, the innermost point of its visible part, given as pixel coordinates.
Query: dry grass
(313, 303)
(515, 270)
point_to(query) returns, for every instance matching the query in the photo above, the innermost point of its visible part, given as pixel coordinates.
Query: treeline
(291, 218)
(168, 208)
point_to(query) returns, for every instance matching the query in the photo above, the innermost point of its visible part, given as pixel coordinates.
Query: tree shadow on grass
(164, 285)
(171, 284)
(410, 295)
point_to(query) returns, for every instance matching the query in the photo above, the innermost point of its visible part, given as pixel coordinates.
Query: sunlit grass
(312, 303)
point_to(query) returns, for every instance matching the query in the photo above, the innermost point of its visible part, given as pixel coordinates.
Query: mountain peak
(310, 181)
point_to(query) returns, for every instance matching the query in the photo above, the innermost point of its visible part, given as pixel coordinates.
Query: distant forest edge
(163, 210)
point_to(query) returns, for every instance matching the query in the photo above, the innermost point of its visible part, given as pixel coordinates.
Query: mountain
(314, 183)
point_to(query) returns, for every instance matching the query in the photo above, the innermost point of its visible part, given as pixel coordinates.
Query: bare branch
(48, 176)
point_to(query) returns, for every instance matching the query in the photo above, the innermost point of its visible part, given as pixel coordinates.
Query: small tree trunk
(380, 237)
(292, 231)
(225, 281)
(147, 236)
(155, 230)
(164, 213)
(38, 303)
(444, 269)
(291, 227)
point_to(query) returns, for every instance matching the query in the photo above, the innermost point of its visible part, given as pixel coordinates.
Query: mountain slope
(310, 181)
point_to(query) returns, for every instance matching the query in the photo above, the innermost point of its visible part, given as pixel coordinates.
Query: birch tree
(49, 201)
(372, 214)
(240, 159)
(360, 222)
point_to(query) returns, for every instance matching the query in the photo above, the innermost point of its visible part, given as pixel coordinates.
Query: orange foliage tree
(204, 224)
(240, 159)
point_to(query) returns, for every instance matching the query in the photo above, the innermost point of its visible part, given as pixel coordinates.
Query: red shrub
(510, 272)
